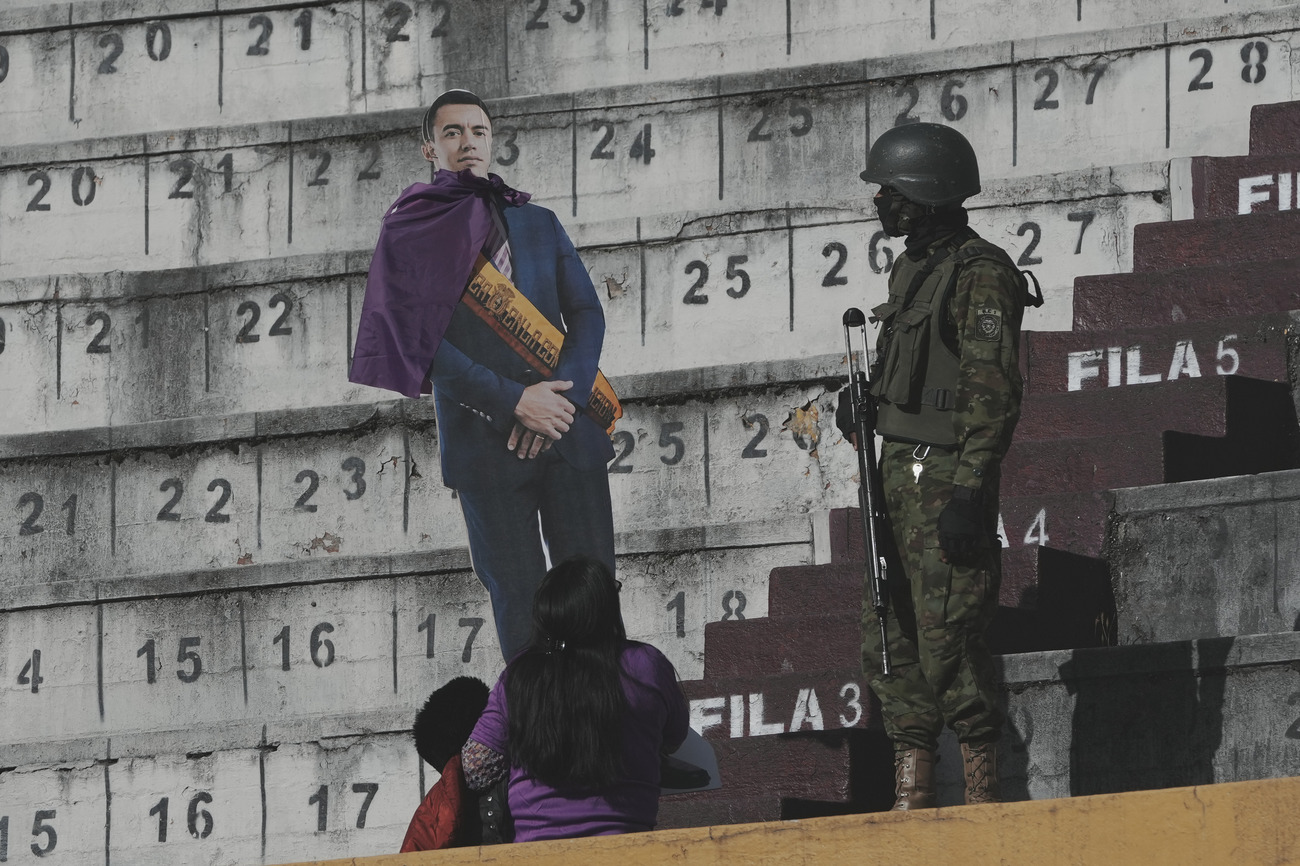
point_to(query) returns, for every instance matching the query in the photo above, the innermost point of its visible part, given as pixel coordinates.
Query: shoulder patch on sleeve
(988, 323)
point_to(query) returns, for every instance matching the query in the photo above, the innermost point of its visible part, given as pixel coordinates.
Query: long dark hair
(564, 694)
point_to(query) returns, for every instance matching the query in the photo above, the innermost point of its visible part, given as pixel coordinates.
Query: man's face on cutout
(462, 139)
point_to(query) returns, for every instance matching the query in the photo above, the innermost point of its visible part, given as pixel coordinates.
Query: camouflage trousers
(942, 669)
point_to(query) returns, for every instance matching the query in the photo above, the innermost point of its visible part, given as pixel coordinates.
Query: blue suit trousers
(505, 542)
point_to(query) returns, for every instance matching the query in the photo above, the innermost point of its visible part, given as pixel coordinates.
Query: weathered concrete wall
(750, 142)
(351, 484)
(93, 69)
(265, 802)
(89, 350)
(345, 649)
(1189, 713)
(1156, 716)
(212, 196)
(1207, 559)
(227, 577)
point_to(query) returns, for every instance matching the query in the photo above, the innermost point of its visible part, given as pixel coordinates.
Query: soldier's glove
(844, 414)
(961, 523)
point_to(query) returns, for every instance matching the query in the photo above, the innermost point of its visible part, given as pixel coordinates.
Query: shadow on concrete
(1146, 716)
(1013, 757)
(1071, 605)
(871, 777)
(1262, 435)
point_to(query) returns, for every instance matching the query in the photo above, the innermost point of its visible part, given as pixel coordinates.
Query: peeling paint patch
(246, 559)
(615, 287)
(328, 542)
(802, 424)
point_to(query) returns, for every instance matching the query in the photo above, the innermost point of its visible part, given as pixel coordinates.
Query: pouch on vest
(902, 373)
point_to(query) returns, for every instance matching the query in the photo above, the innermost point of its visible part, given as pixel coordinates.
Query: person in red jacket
(449, 815)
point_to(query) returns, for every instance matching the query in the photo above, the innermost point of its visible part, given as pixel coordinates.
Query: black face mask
(898, 215)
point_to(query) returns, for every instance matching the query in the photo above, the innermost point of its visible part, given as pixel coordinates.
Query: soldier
(947, 389)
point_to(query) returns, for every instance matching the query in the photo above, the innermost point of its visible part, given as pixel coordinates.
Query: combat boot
(980, 772)
(913, 780)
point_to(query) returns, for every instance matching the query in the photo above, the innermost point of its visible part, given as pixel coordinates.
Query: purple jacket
(657, 720)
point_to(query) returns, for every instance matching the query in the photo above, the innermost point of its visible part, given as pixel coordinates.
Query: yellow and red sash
(495, 300)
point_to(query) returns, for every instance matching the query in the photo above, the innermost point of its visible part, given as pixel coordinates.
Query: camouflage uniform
(939, 612)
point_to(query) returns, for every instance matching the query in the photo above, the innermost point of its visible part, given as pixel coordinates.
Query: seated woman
(579, 719)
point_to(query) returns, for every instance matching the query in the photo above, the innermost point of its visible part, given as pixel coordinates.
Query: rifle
(869, 495)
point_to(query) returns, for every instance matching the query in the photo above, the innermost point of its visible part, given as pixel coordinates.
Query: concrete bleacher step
(1243, 823)
(364, 481)
(1264, 181)
(298, 306)
(1119, 718)
(1209, 241)
(1207, 559)
(1205, 293)
(263, 799)
(194, 197)
(333, 59)
(1052, 599)
(1190, 712)
(786, 776)
(152, 344)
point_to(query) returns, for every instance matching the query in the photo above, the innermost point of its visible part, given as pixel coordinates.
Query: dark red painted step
(768, 647)
(736, 707)
(1063, 362)
(1079, 465)
(801, 590)
(1049, 599)
(1192, 405)
(1224, 186)
(1075, 522)
(1274, 128)
(1189, 243)
(1199, 294)
(1067, 521)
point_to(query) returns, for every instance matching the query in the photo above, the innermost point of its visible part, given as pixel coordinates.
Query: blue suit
(477, 382)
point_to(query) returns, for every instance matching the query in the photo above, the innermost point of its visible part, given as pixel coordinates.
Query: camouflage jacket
(961, 366)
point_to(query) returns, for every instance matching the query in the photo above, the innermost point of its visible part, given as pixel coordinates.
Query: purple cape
(428, 243)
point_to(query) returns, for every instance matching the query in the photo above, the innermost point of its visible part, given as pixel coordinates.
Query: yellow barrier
(1231, 824)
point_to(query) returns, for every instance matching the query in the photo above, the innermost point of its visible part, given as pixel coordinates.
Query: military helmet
(929, 163)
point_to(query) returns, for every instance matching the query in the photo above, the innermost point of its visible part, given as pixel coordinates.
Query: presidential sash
(513, 318)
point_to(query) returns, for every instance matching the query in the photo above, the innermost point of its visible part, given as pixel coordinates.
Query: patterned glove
(961, 524)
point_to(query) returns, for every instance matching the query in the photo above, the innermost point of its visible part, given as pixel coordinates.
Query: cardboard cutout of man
(480, 297)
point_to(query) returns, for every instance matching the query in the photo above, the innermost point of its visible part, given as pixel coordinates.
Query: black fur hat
(447, 718)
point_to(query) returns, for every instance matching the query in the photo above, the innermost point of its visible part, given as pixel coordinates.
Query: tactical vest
(915, 372)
